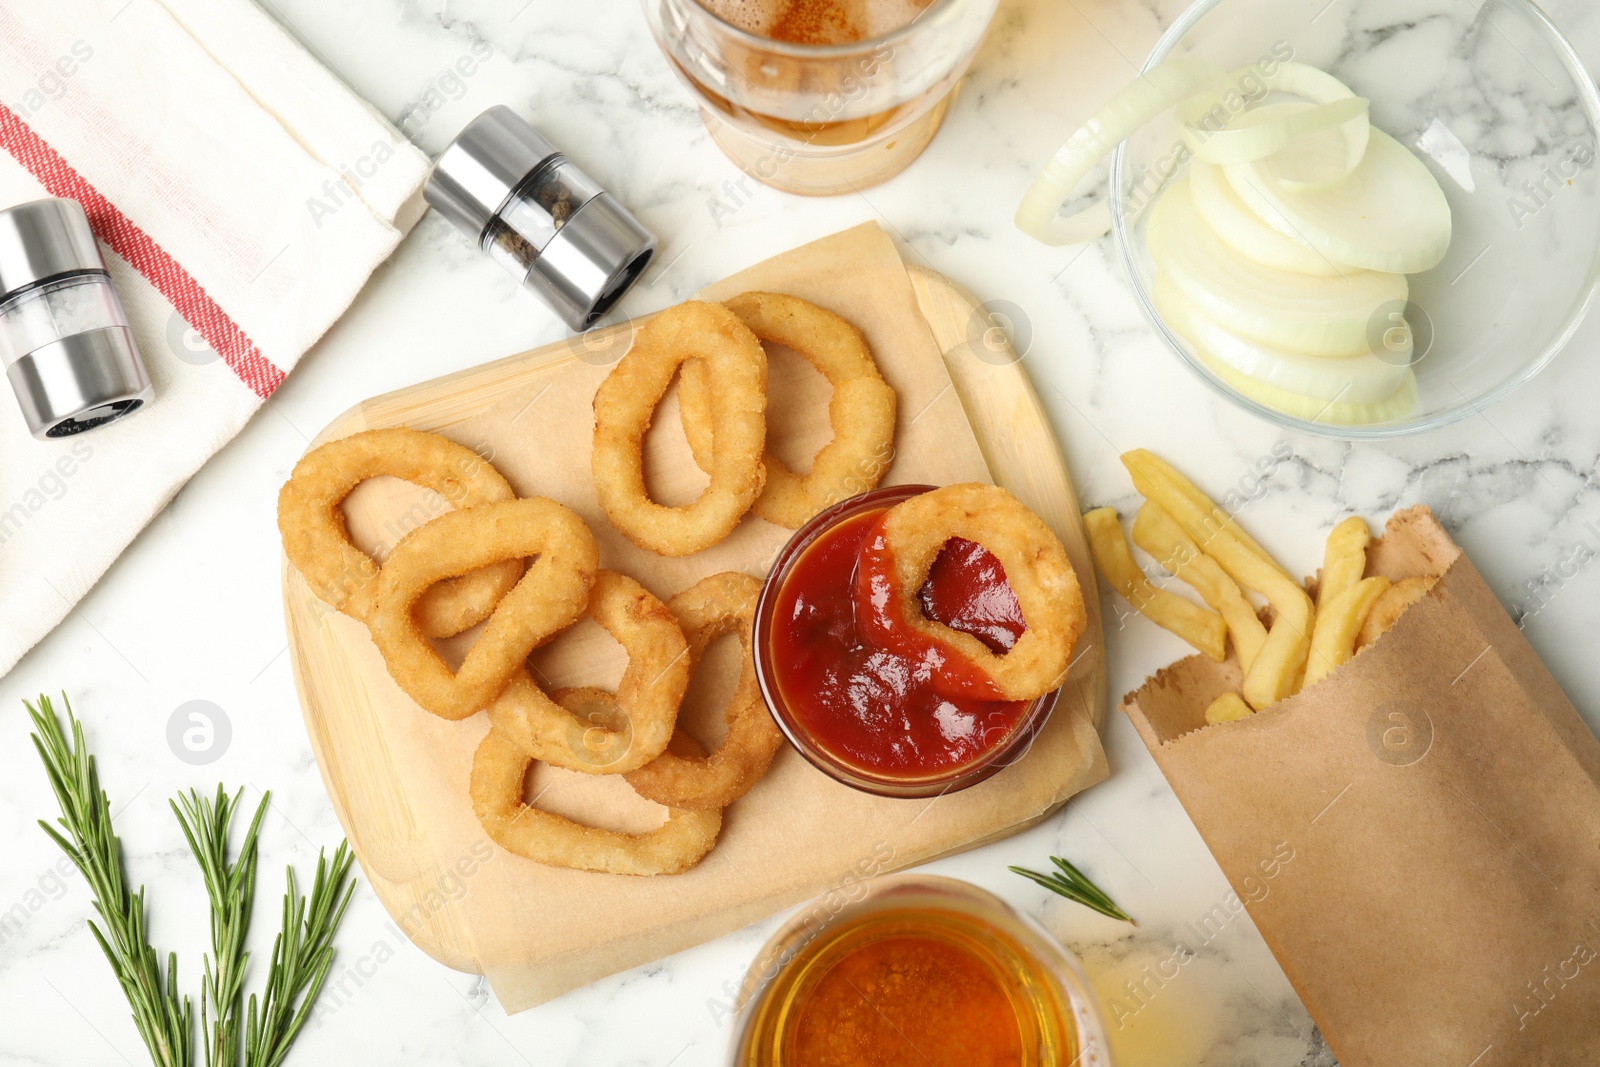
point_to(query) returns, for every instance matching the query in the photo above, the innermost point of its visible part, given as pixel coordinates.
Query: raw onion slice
(1364, 379)
(1267, 130)
(1310, 409)
(1317, 159)
(1148, 96)
(1389, 214)
(1295, 79)
(1314, 158)
(1316, 316)
(1313, 83)
(1212, 110)
(1238, 226)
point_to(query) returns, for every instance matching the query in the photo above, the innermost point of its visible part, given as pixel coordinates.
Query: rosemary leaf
(301, 956)
(230, 885)
(164, 1020)
(1073, 884)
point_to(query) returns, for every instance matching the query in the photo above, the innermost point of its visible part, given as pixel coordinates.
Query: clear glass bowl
(1005, 752)
(1491, 97)
(1054, 1002)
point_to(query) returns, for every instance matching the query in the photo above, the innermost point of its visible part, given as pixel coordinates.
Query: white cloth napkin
(242, 196)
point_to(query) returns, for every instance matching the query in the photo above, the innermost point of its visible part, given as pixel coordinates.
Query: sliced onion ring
(1388, 215)
(1155, 91)
(1311, 315)
(1363, 379)
(1240, 227)
(1310, 409)
(1295, 79)
(1265, 131)
(1321, 159)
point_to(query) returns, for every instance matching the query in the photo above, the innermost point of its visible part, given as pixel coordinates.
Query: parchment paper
(1417, 837)
(539, 931)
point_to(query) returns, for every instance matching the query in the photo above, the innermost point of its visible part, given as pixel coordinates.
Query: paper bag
(1417, 837)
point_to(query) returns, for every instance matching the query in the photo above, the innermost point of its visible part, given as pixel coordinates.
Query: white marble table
(192, 611)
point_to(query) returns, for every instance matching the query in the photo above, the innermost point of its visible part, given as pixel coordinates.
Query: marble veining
(192, 610)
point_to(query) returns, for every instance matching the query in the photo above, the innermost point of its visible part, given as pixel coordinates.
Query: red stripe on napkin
(142, 253)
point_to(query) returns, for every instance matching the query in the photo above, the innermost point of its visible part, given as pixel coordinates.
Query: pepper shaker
(541, 218)
(64, 339)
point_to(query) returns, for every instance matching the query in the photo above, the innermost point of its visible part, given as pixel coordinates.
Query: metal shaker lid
(43, 239)
(475, 175)
(592, 261)
(82, 381)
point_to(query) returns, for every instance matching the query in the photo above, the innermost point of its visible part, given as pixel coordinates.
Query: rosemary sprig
(163, 1018)
(301, 955)
(1073, 884)
(231, 887)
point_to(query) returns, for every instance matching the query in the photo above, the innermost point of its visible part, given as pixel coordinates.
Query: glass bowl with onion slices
(1349, 221)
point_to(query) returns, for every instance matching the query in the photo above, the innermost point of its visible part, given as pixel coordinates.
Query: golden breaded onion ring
(894, 566)
(499, 770)
(599, 733)
(318, 544)
(862, 410)
(714, 607)
(551, 596)
(626, 402)
(647, 699)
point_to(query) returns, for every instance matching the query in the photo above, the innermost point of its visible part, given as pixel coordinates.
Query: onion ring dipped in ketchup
(899, 557)
(907, 709)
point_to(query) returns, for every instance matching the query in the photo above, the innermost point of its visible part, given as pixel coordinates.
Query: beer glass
(823, 118)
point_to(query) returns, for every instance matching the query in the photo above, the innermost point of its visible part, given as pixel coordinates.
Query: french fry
(1216, 517)
(1227, 708)
(1334, 640)
(1344, 560)
(1159, 534)
(1388, 608)
(1203, 629)
(1278, 665)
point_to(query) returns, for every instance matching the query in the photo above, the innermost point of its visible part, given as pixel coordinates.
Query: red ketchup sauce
(877, 707)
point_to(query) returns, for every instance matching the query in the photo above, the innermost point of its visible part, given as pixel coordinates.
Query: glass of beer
(821, 96)
(915, 969)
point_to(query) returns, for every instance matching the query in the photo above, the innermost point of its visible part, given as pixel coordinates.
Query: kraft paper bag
(1425, 822)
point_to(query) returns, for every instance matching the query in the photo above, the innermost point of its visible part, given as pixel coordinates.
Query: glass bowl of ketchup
(866, 716)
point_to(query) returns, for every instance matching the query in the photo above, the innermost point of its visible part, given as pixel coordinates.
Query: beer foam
(752, 16)
(817, 21)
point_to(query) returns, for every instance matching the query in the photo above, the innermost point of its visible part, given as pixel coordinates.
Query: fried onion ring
(626, 402)
(894, 567)
(318, 544)
(717, 606)
(652, 687)
(862, 410)
(499, 770)
(600, 733)
(551, 596)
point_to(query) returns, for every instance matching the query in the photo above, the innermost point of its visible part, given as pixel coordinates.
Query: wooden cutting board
(362, 740)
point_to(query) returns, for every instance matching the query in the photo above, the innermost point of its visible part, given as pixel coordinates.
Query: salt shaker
(536, 214)
(64, 340)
